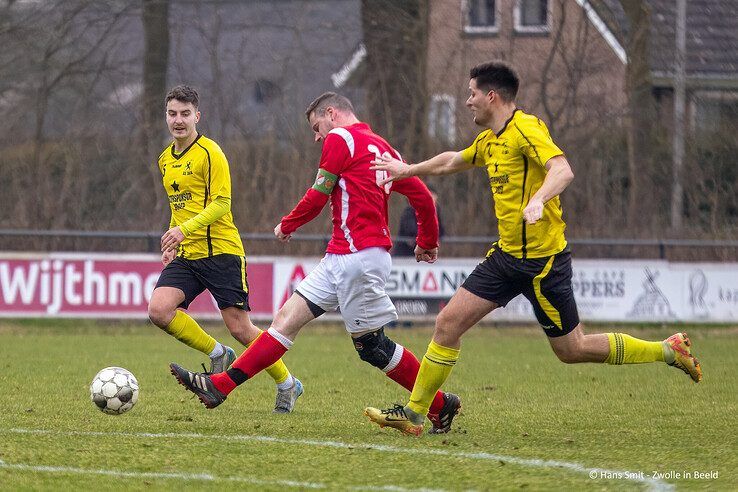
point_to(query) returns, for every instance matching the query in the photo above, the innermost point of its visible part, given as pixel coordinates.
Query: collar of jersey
(504, 127)
(177, 156)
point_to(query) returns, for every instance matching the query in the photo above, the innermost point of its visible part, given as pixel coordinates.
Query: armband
(325, 181)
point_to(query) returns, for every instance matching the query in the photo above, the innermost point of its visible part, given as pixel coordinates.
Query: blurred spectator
(406, 247)
(409, 229)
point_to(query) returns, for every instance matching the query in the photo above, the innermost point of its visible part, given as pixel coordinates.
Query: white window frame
(438, 103)
(491, 29)
(542, 28)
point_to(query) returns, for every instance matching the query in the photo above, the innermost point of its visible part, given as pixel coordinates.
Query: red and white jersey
(358, 203)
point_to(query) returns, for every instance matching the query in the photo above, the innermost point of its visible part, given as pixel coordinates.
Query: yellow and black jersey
(193, 179)
(515, 159)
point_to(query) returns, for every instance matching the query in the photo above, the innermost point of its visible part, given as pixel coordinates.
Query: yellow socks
(624, 349)
(434, 370)
(186, 330)
(278, 371)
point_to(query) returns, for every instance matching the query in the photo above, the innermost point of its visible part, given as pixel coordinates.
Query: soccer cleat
(286, 398)
(394, 417)
(442, 420)
(223, 361)
(683, 359)
(200, 384)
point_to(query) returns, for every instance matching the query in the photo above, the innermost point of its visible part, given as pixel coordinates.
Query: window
(480, 16)
(442, 118)
(532, 16)
(714, 111)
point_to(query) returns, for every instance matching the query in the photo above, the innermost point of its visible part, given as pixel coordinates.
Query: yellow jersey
(515, 159)
(192, 179)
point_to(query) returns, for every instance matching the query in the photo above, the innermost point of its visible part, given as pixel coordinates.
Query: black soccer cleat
(442, 421)
(198, 383)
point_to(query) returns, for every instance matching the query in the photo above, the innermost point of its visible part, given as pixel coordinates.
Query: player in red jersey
(353, 273)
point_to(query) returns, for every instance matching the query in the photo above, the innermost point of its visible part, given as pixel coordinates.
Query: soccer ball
(114, 390)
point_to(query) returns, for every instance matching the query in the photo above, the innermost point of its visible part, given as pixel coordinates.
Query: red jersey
(359, 205)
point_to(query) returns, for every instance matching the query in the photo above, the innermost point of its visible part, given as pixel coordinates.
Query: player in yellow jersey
(526, 172)
(202, 248)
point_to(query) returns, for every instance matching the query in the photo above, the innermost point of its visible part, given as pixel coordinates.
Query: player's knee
(375, 348)
(160, 315)
(568, 354)
(446, 328)
(246, 334)
(443, 323)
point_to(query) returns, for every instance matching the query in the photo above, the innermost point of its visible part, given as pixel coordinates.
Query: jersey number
(380, 175)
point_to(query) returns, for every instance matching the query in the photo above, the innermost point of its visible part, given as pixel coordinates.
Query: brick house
(570, 56)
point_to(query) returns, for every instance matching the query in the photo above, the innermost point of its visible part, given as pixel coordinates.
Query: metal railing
(151, 239)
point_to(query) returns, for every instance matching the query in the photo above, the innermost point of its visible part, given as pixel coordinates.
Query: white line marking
(203, 477)
(179, 476)
(652, 483)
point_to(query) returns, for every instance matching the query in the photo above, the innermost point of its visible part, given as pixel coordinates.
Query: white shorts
(355, 284)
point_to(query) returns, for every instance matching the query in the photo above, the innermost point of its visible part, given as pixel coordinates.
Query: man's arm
(446, 163)
(214, 211)
(333, 157)
(558, 177)
(306, 210)
(219, 177)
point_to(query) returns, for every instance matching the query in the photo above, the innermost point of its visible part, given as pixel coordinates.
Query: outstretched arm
(558, 177)
(333, 157)
(446, 163)
(306, 210)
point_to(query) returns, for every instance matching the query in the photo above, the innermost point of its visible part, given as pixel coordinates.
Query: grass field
(528, 421)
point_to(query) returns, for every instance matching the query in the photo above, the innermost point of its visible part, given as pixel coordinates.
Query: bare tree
(155, 16)
(641, 104)
(396, 39)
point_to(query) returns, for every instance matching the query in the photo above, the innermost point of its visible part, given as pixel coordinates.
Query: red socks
(405, 373)
(262, 353)
(267, 350)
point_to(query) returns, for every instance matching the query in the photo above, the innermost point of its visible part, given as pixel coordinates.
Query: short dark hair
(183, 93)
(323, 101)
(498, 77)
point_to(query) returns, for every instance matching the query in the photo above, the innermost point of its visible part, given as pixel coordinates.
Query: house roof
(712, 36)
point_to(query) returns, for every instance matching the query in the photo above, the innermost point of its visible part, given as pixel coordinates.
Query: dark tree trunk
(155, 16)
(396, 39)
(641, 104)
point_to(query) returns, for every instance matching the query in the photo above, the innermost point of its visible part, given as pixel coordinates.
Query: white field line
(206, 477)
(651, 483)
(179, 476)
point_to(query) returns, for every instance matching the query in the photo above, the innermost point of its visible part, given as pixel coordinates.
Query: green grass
(520, 405)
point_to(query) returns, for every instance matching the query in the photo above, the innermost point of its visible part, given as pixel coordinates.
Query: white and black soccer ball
(114, 390)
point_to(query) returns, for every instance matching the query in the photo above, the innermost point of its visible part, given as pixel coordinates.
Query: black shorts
(545, 282)
(223, 275)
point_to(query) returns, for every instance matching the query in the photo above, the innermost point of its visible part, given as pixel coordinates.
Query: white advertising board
(605, 290)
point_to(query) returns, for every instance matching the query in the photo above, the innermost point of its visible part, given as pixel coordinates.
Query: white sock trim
(287, 383)
(396, 357)
(217, 351)
(286, 342)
